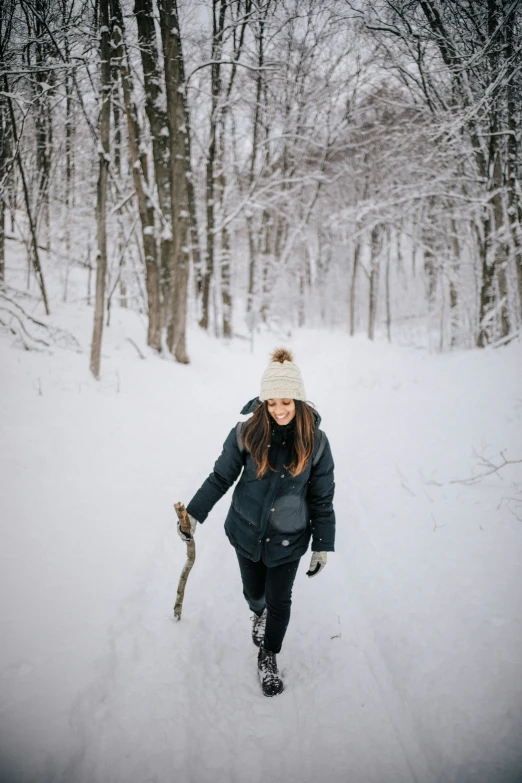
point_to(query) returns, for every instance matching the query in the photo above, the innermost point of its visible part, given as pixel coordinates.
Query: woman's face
(282, 411)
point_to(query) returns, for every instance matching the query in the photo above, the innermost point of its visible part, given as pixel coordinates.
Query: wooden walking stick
(184, 523)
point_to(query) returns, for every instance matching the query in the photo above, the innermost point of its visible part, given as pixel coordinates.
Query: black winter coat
(273, 517)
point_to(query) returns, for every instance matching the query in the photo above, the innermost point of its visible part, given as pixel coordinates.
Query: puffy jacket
(273, 517)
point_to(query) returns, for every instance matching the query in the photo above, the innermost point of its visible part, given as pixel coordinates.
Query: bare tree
(174, 71)
(470, 98)
(140, 174)
(69, 145)
(375, 264)
(101, 201)
(157, 117)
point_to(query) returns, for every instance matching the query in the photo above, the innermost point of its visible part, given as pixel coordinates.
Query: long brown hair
(257, 435)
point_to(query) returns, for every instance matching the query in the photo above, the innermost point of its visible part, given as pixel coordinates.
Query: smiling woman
(300, 427)
(271, 520)
(282, 411)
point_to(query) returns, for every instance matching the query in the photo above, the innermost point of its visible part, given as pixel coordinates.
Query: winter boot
(271, 682)
(258, 628)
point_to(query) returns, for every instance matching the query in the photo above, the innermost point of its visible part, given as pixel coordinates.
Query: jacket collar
(283, 430)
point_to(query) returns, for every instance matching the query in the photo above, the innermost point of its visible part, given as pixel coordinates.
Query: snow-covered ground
(403, 659)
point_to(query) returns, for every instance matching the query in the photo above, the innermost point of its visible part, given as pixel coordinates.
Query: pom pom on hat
(282, 378)
(282, 355)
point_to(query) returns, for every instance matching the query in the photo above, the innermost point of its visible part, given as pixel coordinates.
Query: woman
(283, 499)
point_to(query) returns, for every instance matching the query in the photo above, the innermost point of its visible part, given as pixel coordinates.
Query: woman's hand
(317, 563)
(184, 537)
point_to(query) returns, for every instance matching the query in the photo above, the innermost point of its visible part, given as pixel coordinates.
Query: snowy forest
(187, 189)
(233, 163)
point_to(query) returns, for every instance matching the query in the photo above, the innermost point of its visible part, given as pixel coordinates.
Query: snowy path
(181, 701)
(402, 660)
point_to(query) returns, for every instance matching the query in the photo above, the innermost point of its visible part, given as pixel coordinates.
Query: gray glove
(182, 535)
(317, 563)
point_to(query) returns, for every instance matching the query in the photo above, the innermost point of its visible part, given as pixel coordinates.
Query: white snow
(402, 661)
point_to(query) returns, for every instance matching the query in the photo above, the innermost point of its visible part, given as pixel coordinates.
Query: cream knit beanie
(282, 378)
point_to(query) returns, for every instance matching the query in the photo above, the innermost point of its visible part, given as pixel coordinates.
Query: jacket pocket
(289, 515)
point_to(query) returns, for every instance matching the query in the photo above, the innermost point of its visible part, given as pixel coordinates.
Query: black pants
(270, 587)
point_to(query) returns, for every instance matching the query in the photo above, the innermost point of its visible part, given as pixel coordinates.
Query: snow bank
(402, 660)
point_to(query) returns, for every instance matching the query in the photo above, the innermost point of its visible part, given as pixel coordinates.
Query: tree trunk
(140, 179)
(157, 117)
(69, 163)
(430, 272)
(497, 252)
(398, 247)
(116, 136)
(304, 287)
(226, 284)
(513, 200)
(6, 163)
(353, 286)
(89, 275)
(192, 241)
(2, 240)
(4, 174)
(252, 264)
(494, 265)
(226, 255)
(374, 280)
(252, 271)
(122, 244)
(43, 126)
(176, 119)
(176, 329)
(301, 299)
(101, 196)
(486, 280)
(453, 277)
(501, 252)
(387, 287)
(268, 267)
(32, 224)
(218, 24)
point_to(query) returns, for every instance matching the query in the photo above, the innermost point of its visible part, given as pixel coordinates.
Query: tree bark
(387, 286)
(176, 119)
(226, 283)
(2, 240)
(32, 225)
(498, 241)
(43, 126)
(513, 199)
(494, 263)
(4, 175)
(453, 277)
(218, 24)
(353, 286)
(260, 41)
(69, 156)
(140, 179)
(375, 249)
(101, 195)
(6, 162)
(226, 255)
(157, 117)
(429, 242)
(304, 286)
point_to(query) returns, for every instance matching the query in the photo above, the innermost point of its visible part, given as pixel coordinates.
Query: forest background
(243, 164)
(204, 180)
